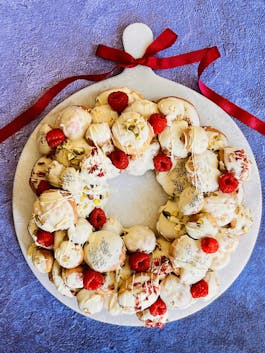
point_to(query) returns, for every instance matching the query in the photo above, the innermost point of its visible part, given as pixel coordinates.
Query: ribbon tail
(232, 109)
(37, 108)
(242, 115)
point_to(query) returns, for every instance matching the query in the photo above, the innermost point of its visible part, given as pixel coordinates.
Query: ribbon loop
(166, 39)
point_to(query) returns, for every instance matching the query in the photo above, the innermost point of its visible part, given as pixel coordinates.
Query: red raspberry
(158, 308)
(118, 101)
(139, 262)
(97, 218)
(55, 137)
(43, 186)
(92, 279)
(158, 122)
(209, 245)
(199, 289)
(228, 183)
(45, 238)
(119, 159)
(162, 163)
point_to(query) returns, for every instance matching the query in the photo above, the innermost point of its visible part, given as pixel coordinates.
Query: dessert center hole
(135, 199)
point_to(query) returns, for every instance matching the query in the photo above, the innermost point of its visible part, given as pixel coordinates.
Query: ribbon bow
(165, 40)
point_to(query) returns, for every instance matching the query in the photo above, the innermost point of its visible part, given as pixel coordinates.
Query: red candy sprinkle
(43, 186)
(199, 289)
(45, 238)
(158, 122)
(92, 279)
(158, 308)
(55, 137)
(209, 245)
(119, 159)
(162, 163)
(228, 183)
(97, 218)
(118, 101)
(139, 261)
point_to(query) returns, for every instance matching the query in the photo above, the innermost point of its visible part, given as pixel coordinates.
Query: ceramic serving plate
(135, 200)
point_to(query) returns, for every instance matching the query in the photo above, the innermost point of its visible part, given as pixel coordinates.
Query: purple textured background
(43, 41)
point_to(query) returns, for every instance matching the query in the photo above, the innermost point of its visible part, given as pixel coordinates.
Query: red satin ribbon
(165, 40)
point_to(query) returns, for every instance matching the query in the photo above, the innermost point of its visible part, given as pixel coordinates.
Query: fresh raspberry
(118, 101)
(45, 238)
(55, 137)
(92, 279)
(43, 186)
(158, 122)
(139, 262)
(228, 183)
(162, 163)
(158, 308)
(97, 218)
(209, 245)
(199, 289)
(119, 159)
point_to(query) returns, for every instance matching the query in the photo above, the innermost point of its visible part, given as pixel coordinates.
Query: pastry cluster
(136, 270)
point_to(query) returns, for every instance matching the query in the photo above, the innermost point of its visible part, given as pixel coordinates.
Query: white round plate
(136, 38)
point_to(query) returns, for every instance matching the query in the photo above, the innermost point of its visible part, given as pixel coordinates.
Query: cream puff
(105, 251)
(102, 98)
(73, 277)
(195, 139)
(213, 285)
(54, 210)
(175, 293)
(93, 195)
(217, 139)
(70, 153)
(69, 254)
(97, 166)
(71, 181)
(139, 238)
(170, 139)
(80, 232)
(42, 143)
(221, 206)
(39, 172)
(144, 107)
(178, 109)
(144, 161)
(113, 225)
(123, 273)
(113, 305)
(235, 161)
(103, 114)
(174, 181)
(227, 240)
(90, 302)
(190, 201)
(56, 278)
(160, 263)
(100, 135)
(150, 320)
(131, 133)
(139, 292)
(185, 250)
(109, 284)
(202, 171)
(74, 121)
(242, 220)
(200, 225)
(59, 237)
(220, 261)
(42, 259)
(54, 172)
(171, 222)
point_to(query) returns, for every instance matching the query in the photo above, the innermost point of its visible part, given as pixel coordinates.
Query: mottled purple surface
(43, 41)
